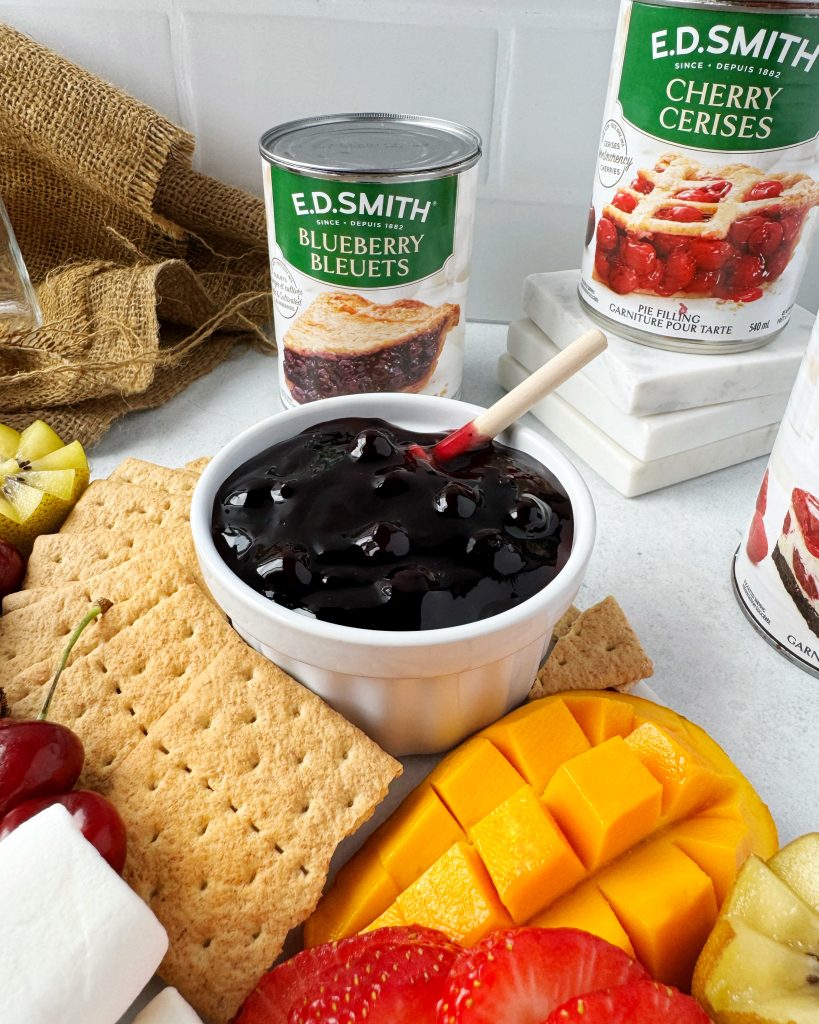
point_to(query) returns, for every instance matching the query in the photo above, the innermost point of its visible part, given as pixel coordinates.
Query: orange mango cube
(687, 783)
(720, 846)
(456, 896)
(526, 855)
(586, 908)
(473, 779)
(600, 719)
(362, 890)
(666, 905)
(604, 800)
(416, 835)
(391, 918)
(537, 739)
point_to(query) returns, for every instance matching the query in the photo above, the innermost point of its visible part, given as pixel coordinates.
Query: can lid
(360, 145)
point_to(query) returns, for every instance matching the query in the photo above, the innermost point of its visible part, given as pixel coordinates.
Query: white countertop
(665, 556)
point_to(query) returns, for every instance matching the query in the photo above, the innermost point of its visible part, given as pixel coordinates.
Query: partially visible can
(370, 220)
(776, 569)
(705, 176)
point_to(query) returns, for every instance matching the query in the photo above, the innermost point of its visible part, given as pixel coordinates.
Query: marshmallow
(168, 1008)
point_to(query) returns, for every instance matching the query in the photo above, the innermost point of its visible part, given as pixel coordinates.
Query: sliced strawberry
(756, 546)
(289, 983)
(644, 1002)
(762, 497)
(520, 975)
(395, 985)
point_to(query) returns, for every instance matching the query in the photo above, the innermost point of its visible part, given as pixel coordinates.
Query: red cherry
(606, 234)
(36, 759)
(762, 497)
(756, 546)
(792, 224)
(623, 201)
(623, 279)
(642, 185)
(96, 817)
(680, 214)
(665, 244)
(601, 265)
(765, 190)
(711, 192)
(747, 272)
(703, 282)
(710, 254)
(640, 256)
(742, 230)
(653, 280)
(766, 239)
(774, 265)
(12, 569)
(680, 268)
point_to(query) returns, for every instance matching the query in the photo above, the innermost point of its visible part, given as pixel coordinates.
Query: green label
(364, 234)
(720, 80)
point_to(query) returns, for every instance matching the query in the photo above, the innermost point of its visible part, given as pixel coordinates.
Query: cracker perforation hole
(234, 808)
(303, 870)
(254, 827)
(204, 828)
(256, 935)
(297, 713)
(345, 756)
(305, 808)
(252, 878)
(118, 689)
(187, 768)
(203, 885)
(278, 848)
(206, 943)
(610, 648)
(162, 748)
(131, 711)
(154, 837)
(253, 718)
(153, 785)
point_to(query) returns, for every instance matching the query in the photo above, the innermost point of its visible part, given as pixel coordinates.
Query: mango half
(591, 810)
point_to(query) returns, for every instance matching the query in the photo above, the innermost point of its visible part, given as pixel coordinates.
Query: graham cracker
(72, 557)
(112, 696)
(197, 465)
(111, 505)
(234, 805)
(147, 474)
(600, 650)
(565, 622)
(36, 633)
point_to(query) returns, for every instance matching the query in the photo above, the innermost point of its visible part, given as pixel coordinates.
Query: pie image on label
(796, 555)
(343, 344)
(687, 229)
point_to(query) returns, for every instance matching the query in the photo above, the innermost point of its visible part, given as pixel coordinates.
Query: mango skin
(675, 820)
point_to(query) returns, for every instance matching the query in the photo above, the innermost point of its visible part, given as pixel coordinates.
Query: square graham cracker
(112, 696)
(197, 465)
(72, 557)
(111, 505)
(148, 474)
(599, 650)
(37, 633)
(234, 804)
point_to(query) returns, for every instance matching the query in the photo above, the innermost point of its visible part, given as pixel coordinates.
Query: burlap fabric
(147, 271)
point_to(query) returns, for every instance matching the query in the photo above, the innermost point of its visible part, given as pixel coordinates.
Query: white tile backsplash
(529, 75)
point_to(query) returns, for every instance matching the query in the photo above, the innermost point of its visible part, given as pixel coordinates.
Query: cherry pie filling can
(370, 220)
(776, 568)
(705, 183)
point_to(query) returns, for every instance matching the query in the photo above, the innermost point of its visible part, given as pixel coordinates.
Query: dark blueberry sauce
(343, 522)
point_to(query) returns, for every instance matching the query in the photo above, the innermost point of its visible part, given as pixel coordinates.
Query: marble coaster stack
(644, 418)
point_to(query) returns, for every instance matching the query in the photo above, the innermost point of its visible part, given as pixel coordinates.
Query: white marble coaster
(628, 475)
(646, 380)
(645, 437)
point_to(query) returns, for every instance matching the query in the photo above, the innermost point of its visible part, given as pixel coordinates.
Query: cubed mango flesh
(456, 896)
(361, 891)
(527, 856)
(586, 908)
(604, 800)
(473, 779)
(655, 883)
(392, 917)
(416, 835)
(720, 846)
(688, 784)
(537, 739)
(667, 906)
(600, 719)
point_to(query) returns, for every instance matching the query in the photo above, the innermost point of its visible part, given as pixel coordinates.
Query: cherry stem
(100, 607)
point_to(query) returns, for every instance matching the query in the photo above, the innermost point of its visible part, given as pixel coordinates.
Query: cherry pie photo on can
(705, 184)
(776, 568)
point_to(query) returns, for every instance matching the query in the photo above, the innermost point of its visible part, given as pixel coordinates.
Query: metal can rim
(744, 6)
(466, 134)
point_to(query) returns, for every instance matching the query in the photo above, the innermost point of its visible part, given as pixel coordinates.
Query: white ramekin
(412, 692)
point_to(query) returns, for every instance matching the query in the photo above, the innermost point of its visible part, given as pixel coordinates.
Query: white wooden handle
(550, 376)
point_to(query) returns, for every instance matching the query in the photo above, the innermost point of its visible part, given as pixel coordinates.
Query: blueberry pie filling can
(370, 221)
(705, 180)
(776, 568)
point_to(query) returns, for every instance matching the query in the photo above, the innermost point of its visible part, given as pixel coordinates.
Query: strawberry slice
(287, 985)
(520, 975)
(645, 1002)
(394, 985)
